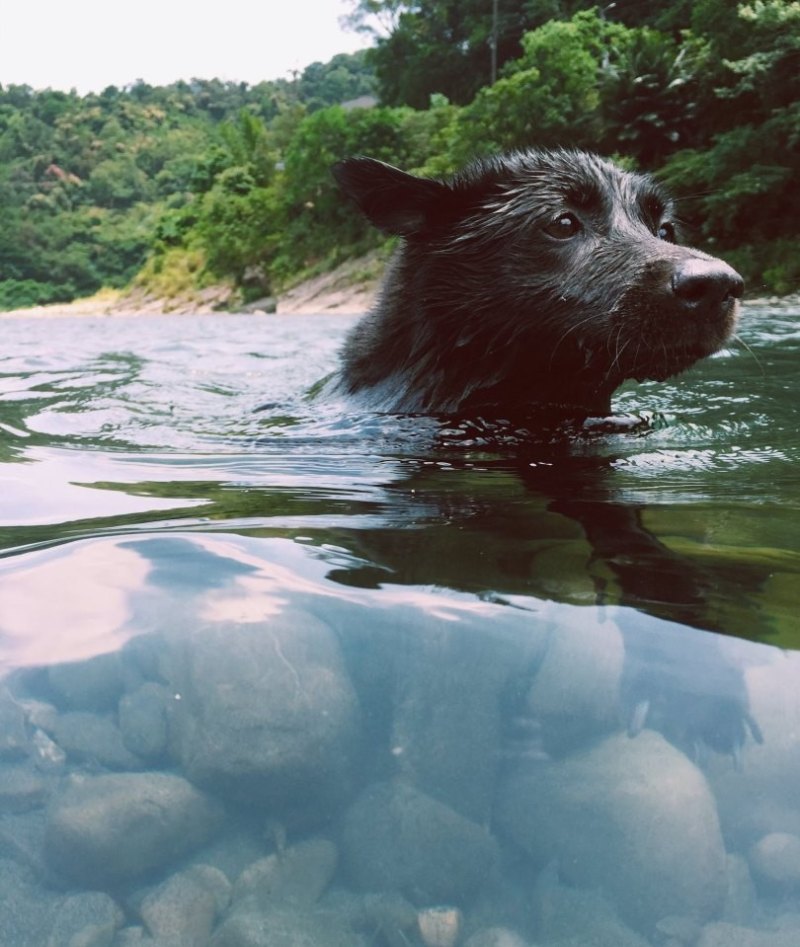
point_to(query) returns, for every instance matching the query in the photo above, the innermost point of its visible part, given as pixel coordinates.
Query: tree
(550, 95)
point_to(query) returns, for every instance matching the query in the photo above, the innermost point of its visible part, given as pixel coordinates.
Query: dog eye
(666, 232)
(563, 227)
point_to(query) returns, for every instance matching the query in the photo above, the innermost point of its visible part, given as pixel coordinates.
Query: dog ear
(394, 201)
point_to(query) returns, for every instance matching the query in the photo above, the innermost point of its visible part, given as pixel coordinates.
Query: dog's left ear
(396, 202)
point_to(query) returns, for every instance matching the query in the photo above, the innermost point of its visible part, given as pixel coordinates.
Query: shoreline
(349, 289)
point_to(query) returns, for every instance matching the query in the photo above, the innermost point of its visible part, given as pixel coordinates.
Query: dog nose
(703, 283)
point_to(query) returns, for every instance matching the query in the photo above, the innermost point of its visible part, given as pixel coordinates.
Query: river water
(274, 672)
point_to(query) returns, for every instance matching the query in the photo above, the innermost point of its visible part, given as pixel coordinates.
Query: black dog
(531, 284)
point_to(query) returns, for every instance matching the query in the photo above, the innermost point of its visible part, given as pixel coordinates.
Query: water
(277, 673)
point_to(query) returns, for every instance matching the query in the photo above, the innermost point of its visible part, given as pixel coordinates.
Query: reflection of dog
(532, 283)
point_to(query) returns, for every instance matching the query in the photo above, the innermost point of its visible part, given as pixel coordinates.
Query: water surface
(277, 672)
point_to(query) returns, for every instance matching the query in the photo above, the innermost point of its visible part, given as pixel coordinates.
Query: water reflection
(406, 746)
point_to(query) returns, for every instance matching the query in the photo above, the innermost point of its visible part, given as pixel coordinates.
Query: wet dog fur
(530, 284)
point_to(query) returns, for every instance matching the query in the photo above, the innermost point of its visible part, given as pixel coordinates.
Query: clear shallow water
(277, 673)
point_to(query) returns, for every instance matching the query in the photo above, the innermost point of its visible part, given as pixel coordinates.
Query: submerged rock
(759, 797)
(731, 935)
(495, 937)
(106, 828)
(88, 737)
(90, 919)
(143, 720)
(93, 684)
(266, 712)
(396, 838)
(21, 788)
(775, 860)
(299, 875)
(284, 928)
(631, 818)
(13, 738)
(181, 912)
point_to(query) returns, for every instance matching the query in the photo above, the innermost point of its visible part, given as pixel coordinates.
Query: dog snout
(705, 284)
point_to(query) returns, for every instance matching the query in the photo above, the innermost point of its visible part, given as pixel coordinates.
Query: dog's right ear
(396, 202)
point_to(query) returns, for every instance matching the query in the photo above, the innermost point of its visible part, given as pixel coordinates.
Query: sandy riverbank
(350, 288)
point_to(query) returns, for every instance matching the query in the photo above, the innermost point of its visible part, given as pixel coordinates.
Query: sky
(90, 44)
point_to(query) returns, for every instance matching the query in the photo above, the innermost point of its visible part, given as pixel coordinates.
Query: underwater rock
(775, 860)
(143, 721)
(740, 896)
(13, 738)
(102, 829)
(298, 875)
(181, 912)
(396, 838)
(576, 917)
(759, 796)
(46, 754)
(451, 683)
(90, 919)
(495, 937)
(266, 712)
(439, 926)
(26, 910)
(576, 690)
(632, 818)
(21, 788)
(721, 934)
(284, 928)
(93, 684)
(87, 737)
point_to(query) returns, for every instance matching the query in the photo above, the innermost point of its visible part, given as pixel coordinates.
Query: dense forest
(205, 180)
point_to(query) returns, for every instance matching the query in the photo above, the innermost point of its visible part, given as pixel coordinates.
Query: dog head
(561, 274)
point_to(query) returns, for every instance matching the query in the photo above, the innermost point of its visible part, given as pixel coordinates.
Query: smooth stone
(21, 788)
(575, 917)
(182, 911)
(94, 684)
(143, 721)
(495, 937)
(758, 797)
(721, 934)
(576, 691)
(266, 713)
(27, 911)
(90, 919)
(46, 754)
(740, 896)
(284, 928)
(102, 829)
(87, 737)
(13, 738)
(775, 859)
(134, 937)
(632, 818)
(298, 875)
(449, 687)
(396, 838)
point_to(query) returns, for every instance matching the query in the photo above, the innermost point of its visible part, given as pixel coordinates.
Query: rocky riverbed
(274, 783)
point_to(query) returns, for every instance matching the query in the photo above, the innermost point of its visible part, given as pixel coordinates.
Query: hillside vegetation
(180, 186)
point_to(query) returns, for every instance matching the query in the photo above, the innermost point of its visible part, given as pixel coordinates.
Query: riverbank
(350, 288)
(347, 289)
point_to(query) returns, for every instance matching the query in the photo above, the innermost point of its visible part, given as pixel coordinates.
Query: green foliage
(207, 180)
(444, 46)
(90, 185)
(740, 189)
(652, 95)
(550, 95)
(19, 294)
